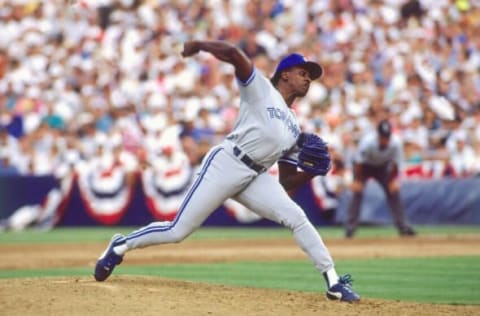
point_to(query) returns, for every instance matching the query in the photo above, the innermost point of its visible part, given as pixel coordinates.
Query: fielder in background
(266, 131)
(379, 155)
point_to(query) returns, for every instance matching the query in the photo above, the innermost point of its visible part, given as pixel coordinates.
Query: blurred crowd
(81, 78)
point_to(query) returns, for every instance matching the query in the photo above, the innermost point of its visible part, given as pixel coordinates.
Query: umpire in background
(378, 156)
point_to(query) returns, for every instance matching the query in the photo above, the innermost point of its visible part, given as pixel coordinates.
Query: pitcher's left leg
(266, 197)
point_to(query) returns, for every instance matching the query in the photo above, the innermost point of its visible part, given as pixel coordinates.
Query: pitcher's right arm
(223, 51)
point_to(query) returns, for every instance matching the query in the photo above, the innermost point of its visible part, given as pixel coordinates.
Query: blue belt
(248, 161)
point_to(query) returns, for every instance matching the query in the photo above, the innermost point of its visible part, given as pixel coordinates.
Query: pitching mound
(129, 295)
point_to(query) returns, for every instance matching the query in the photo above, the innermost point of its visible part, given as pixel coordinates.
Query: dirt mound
(125, 295)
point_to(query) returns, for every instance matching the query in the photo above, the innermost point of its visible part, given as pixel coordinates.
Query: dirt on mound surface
(128, 295)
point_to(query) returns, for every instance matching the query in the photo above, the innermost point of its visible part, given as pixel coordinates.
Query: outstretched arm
(223, 51)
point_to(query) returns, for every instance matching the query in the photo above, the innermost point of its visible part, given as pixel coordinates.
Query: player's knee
(178, 237)
(295, 220)
(180, 233)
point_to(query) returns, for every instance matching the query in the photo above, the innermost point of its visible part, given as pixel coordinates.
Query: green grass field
(446, 280)
(67, 235)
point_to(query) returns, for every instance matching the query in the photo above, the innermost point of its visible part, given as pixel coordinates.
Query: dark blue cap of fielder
(384, 128)
(297, 60)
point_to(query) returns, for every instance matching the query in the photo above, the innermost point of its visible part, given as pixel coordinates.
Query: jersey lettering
(276, 113)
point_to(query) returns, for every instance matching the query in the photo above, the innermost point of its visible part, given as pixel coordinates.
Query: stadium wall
(436, 202)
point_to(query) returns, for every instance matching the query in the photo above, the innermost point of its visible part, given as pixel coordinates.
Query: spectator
(8, 143)
(6, 166)
(462, 156)
(66, 63)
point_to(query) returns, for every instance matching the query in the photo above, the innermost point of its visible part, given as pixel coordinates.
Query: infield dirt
(134, 295)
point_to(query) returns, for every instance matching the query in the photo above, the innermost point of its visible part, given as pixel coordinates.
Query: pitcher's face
(299, 79)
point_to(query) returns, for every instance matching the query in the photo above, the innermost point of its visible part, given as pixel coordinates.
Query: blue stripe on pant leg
(182, 207)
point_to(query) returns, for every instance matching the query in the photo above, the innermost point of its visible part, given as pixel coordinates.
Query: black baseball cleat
(342, 291)
(108, 260)
(349, 233)
(407, 231)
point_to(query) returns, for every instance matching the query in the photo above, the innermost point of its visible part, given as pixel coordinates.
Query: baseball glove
(313, 157)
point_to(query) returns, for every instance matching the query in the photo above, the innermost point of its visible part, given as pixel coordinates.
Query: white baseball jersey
(266, 128)
(369, 151)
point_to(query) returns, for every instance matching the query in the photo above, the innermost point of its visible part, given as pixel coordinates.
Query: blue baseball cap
(297, 60)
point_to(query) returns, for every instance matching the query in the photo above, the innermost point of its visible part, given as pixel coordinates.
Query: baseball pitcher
(266, 131)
